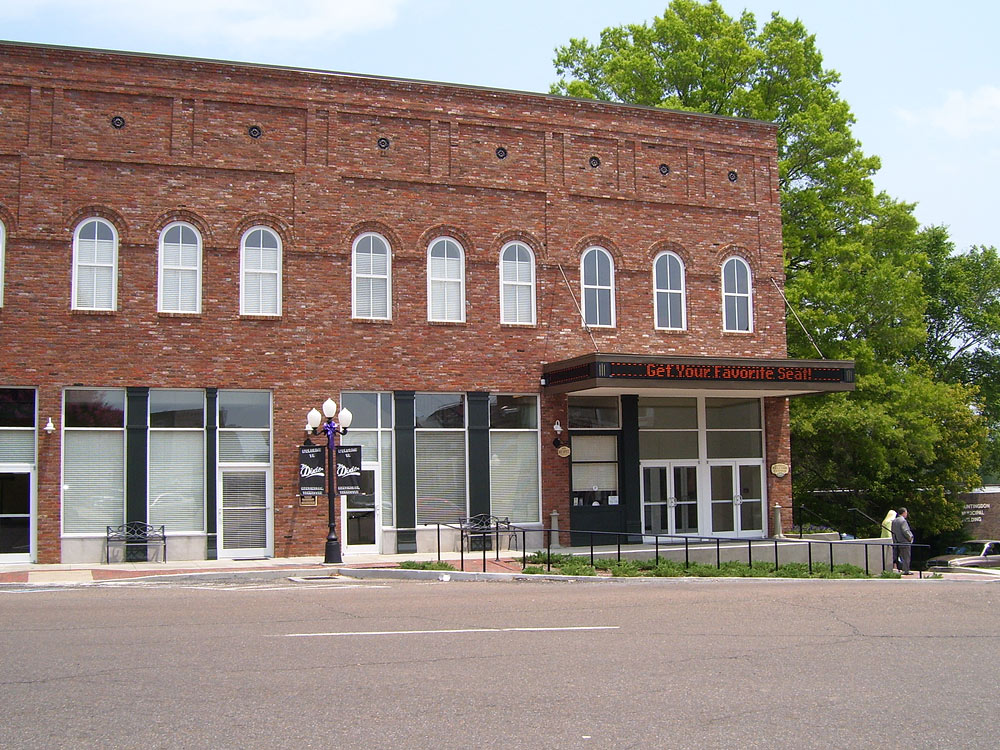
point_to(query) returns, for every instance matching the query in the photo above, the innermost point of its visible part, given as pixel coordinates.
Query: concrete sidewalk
(70, 573)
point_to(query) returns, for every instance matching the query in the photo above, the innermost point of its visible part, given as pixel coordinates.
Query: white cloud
(961, 115)
(243, 22)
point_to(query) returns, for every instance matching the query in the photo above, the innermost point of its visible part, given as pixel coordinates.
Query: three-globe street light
(331, 428)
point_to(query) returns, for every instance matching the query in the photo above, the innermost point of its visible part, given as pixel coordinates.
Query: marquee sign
(742, 373)
(601, 370)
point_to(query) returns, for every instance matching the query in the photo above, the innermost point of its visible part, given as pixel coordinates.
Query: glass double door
(718, 498)
(670, 498)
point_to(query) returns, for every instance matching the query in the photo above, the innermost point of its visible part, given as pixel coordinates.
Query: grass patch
(578, 565)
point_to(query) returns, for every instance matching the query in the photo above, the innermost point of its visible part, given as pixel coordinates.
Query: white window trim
(584, 287)
(387, 277)
(114, 265)
(530, 284)
(682, 291)
(243, 272)
(460, 280)
(160, 269)
(748, 296)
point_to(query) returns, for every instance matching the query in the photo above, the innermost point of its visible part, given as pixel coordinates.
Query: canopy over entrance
(668, 375)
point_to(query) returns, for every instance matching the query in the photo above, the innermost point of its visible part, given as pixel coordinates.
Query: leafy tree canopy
(856, 266)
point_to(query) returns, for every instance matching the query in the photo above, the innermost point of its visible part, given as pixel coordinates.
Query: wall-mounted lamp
(49, 427)
(563, 448)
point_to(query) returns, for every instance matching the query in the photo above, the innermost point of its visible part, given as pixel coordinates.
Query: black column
(136, 453)
(628, 464)
(405, 471)
(211, 464)
(479, 453)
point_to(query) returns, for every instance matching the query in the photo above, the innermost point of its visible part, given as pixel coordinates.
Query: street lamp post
(332, 427)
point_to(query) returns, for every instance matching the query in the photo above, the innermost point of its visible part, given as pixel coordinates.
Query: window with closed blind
(737, 310)
(440, 457)
(95, 266)
(176, 493)
(17, 425)
(371, 277)
(668, 291)
(517, 284)
(180, 269)
(260, 272)
(597, 279)
(446, 281)
(514, 460)
(93, 460)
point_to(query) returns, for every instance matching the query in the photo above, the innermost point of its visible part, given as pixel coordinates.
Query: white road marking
(458, 630)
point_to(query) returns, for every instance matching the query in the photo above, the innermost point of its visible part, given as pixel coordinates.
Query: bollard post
(554, 526)
(777, 522)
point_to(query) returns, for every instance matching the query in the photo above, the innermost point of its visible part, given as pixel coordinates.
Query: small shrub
(625, 569)
(576, 567)
(668, 569)
(426, 565)
(890, 574)
(793, 570)
(534, 570)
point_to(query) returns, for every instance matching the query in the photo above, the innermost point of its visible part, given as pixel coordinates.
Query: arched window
(737, 311)
(446, 281)
(668, 291)
(370, 277)
(260, 272)
(517, 284)
(180, 269)
(597, 274)
(95, 266)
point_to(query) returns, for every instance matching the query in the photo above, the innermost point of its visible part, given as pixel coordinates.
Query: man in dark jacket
(902, 538)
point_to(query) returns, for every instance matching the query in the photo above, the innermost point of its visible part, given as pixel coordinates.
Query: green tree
(854, 262)
(963, 325)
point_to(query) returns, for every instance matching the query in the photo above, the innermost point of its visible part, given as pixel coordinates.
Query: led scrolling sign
(741, 372)
(703, 372)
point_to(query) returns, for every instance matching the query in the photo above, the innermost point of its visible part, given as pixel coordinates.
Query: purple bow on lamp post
(332, 428)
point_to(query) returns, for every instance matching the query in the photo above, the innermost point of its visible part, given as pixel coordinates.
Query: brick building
(193, 254)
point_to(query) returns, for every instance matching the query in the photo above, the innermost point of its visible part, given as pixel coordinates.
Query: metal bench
(136, 534)
(479, 531)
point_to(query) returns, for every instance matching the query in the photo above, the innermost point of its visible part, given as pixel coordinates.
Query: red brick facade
(317, 176)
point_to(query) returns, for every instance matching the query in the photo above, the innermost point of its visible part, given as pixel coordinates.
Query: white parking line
(458, 630)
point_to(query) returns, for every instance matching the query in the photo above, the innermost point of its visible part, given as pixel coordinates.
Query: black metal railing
(665, 542)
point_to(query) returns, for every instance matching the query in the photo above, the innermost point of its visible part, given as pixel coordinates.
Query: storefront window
(93, 460)
(177, 459)
(514, 478)
(586, 412)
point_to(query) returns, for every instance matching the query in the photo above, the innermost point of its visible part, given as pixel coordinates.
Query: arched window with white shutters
(95, 265)
(517, 284)
(260, 272)
(180, 269)
(737, 308)
(446, 281)
(597, 276)
(371, 279)
(668, 292)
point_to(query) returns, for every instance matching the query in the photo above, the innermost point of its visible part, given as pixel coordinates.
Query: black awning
(628, 372)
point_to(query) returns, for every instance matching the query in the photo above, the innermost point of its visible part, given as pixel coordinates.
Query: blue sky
(922, 77)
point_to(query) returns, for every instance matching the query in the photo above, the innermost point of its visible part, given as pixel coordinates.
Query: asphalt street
(341, 663)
